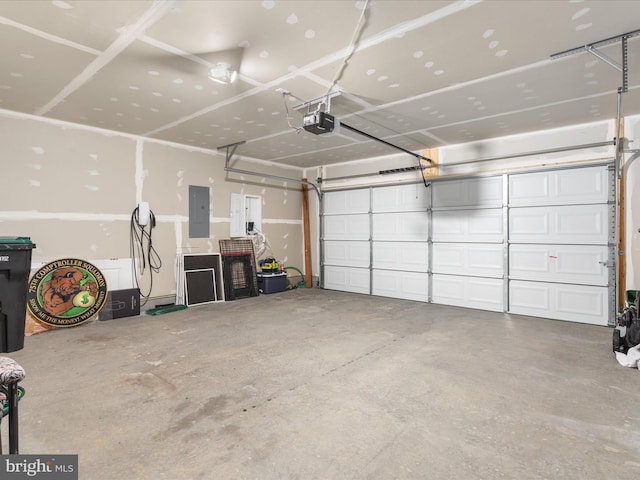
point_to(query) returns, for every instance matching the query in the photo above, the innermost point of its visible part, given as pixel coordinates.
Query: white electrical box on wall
(246, 215)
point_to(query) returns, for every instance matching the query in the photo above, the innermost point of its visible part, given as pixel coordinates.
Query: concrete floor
(314, 384)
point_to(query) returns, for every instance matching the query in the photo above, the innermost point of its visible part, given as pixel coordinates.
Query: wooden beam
(308, 280)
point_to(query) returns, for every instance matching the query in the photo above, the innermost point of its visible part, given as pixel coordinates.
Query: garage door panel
(346, 279)
(528, 297)
(529, 222)
(576, 303)
(405, 226)
(582, 185)
(528, 189)
(483, 192)
(486, 223)
(400, 198)
(559, 187)
(576, 224)
(407, 256)
(346, 227)
(468, 226)
(585, 264)
(407, 285)
(468, 259)
(346, 201)
(470, 292)
(347, 253)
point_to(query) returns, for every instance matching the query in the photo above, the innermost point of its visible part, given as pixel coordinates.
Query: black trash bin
(15, 265)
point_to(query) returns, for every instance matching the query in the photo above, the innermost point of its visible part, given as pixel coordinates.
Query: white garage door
(346, 246)
(400, 242)
(468, 243)
(532, 243)
(560, 226)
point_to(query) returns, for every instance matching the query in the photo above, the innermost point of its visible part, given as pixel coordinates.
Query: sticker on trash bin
(66, 292)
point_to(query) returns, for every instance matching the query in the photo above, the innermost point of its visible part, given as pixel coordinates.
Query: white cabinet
(246, 215)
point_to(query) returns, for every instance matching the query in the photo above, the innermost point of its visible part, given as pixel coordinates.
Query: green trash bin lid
(15, 240)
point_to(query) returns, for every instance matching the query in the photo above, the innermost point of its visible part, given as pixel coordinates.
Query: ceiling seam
(457, 86)
(454, 87)
(4, 113)
(188, 56)
(428, 132)
(128, 35)
(529, 109)
(49, 37)
(395, 31)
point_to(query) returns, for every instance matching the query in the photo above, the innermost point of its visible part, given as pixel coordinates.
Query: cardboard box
(121, 303)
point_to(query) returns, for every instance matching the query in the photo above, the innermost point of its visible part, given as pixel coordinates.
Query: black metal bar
(365, 134)
(232, 144)
(13, 418)
(233, 147)
(399, 170)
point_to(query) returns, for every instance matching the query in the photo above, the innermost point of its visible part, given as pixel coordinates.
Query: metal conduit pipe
(231, 149)
(630, 160)
(489, 159)
(619, 133)
(275, 177)
(619, 190)
(530, 154)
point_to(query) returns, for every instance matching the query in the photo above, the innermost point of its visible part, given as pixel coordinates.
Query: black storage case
(15, 266)
(120, 304)
(272, 282)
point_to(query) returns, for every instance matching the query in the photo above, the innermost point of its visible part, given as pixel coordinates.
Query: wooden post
(307, 237)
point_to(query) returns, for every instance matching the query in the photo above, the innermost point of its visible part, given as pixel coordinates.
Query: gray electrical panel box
(198, 212)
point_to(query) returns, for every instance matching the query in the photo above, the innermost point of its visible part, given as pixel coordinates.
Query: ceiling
(418, 74)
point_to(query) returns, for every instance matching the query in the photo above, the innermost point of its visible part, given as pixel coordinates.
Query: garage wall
(72, 189)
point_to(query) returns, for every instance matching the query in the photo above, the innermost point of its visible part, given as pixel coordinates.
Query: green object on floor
(5, 403)
(302, 283)
(167, 309)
